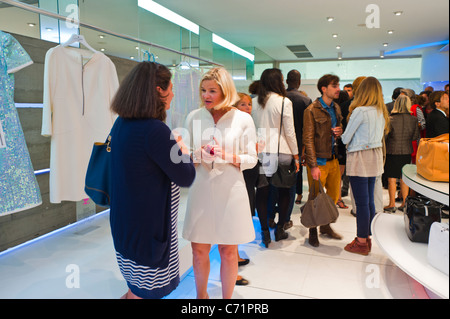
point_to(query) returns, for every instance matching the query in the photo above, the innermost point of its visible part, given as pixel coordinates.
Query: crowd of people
(228, 155)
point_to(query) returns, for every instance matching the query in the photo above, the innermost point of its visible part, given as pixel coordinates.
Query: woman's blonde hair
(223, 78)
(357, 83)
(370, 93)
(402, 105)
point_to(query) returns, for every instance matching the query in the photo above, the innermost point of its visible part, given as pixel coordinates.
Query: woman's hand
(219, 152)
(202, 155)
(180, 143)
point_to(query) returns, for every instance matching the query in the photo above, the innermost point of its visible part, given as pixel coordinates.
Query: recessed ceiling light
(101, 36)
(391, 31)
(103, 50)
(385, 44)
(338, 47)
(335, 35)
(398, 13)
(230, 46)
(382, 54)
(340, 56)
(132, 57)
(30, 24)
(49, 29)
(167, 14)
(330, 19)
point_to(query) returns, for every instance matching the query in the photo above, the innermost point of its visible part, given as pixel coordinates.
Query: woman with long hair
(368, 122)
(266, 113)
(145, 183)
(404, 130)
(223, 145)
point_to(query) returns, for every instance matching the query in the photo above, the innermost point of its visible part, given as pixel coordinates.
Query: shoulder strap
(281, 126)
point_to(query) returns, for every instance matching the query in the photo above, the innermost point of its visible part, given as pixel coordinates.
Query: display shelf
(437, 191)
(389, 233)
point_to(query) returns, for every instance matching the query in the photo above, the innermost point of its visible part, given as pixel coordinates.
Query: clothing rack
(34, 9)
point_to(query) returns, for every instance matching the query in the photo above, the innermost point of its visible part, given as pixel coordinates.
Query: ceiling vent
(300, 51)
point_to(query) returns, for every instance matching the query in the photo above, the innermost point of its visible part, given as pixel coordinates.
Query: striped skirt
(155, 283)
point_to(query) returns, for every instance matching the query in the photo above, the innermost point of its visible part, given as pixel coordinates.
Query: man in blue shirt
(321, 127)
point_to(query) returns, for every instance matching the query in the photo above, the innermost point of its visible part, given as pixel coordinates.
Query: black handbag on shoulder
(98, 175)
(286, 175)
(420, 213)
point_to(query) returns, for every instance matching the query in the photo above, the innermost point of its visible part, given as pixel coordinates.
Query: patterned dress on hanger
(19, 189)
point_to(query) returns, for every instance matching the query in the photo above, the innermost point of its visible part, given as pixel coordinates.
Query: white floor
(78, 262)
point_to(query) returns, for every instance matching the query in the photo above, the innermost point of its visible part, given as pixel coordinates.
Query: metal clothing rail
(34, 9)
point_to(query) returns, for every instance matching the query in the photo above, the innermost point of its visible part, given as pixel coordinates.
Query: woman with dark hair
(149, 164)
(266, 113)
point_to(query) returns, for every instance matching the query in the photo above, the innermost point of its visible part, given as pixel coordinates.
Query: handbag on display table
(98, 175)
(438, 247)
(420, 214)
(319, 210)
(286, 175)
(432, 158)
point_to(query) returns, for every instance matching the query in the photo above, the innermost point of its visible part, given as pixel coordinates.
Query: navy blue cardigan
(142, 172)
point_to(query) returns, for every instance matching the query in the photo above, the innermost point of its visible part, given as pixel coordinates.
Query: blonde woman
(368, 122)
(404, 130)
(223, 144)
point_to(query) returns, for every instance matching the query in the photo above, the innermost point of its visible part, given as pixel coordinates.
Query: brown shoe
(327, 230)
(288, 225)
(313, 238)
(357, 247)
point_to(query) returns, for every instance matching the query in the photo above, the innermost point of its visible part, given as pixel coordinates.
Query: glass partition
(126, 18)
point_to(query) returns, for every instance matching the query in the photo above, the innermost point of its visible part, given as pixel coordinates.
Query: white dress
(185, 87)
(79, 86)
(218, 209)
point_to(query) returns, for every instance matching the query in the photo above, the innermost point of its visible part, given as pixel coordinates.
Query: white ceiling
(271, 25)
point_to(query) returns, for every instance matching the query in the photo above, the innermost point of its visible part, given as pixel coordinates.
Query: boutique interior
(55, 248)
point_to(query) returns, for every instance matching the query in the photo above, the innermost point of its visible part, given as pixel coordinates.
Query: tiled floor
(293, 269)
(79, 262)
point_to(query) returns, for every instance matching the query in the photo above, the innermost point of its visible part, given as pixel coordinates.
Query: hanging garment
(186, 87)
(19, 189)
(79, 86)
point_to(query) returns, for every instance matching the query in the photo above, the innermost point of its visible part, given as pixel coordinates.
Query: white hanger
(184, 65)
(80, 39)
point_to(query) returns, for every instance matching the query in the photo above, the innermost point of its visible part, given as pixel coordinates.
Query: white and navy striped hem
(144, 277)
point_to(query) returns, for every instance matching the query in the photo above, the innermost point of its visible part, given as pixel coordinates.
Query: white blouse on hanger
(79, 86)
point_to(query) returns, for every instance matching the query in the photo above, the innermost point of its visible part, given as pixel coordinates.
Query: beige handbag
(432, 158)
(319, 210)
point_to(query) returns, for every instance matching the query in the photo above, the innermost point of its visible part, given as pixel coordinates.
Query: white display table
(437, 191)
(389, 233)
